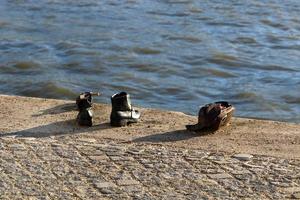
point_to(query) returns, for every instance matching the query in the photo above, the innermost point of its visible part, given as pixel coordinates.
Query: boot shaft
(121, 102)
(84, 101)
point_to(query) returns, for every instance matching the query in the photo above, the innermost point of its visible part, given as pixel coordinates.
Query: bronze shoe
(84, 105)
(213, 115)
(122, 112)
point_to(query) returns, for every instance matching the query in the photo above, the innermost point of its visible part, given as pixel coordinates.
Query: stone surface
(296, 195)
(68, 168)
(44, 155)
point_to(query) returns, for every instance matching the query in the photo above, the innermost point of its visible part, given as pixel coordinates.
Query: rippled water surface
(170, 54)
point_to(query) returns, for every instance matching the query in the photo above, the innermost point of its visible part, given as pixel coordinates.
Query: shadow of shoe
(56, 129)
(173, 136)
(58, 109)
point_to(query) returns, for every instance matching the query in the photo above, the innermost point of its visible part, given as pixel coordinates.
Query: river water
(168, 54)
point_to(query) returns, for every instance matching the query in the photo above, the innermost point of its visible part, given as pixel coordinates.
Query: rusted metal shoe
(122, 112)
(213, 115)
(84, 105)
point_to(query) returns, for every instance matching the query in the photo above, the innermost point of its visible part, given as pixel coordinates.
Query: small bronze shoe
(213, 115)
(84, 105)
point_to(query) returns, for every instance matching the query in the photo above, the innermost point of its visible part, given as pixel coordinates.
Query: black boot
(122, 112)
(84, 105)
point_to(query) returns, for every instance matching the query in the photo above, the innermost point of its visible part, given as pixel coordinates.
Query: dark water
(170, 54)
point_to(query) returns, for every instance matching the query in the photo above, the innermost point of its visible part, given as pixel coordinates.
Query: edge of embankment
(42, 118)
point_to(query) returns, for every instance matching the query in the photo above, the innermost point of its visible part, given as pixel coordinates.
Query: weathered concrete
(44, 155)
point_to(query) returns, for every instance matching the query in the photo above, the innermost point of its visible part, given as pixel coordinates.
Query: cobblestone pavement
(84, 168)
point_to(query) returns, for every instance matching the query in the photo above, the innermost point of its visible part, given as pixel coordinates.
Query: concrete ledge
(35, 117)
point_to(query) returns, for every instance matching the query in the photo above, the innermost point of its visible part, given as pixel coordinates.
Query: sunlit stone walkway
(69, 167)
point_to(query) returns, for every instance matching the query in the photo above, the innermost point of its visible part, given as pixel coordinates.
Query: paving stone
(292, 189)
(86, 168)
(114, 153)
(28, 139)
(243, 157)
(104, 184)
(102, 157)
(127, 182)
(135, 151)
(17, 147)
(87, 140)
(280, 184)
(253, 166)
(219, 176)
(97, 153)
(296, 195)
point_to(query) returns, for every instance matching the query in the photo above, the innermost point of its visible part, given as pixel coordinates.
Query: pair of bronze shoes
(122, 112)
(213, 116)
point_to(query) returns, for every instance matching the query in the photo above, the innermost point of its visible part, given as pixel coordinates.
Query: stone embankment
(43, 155)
